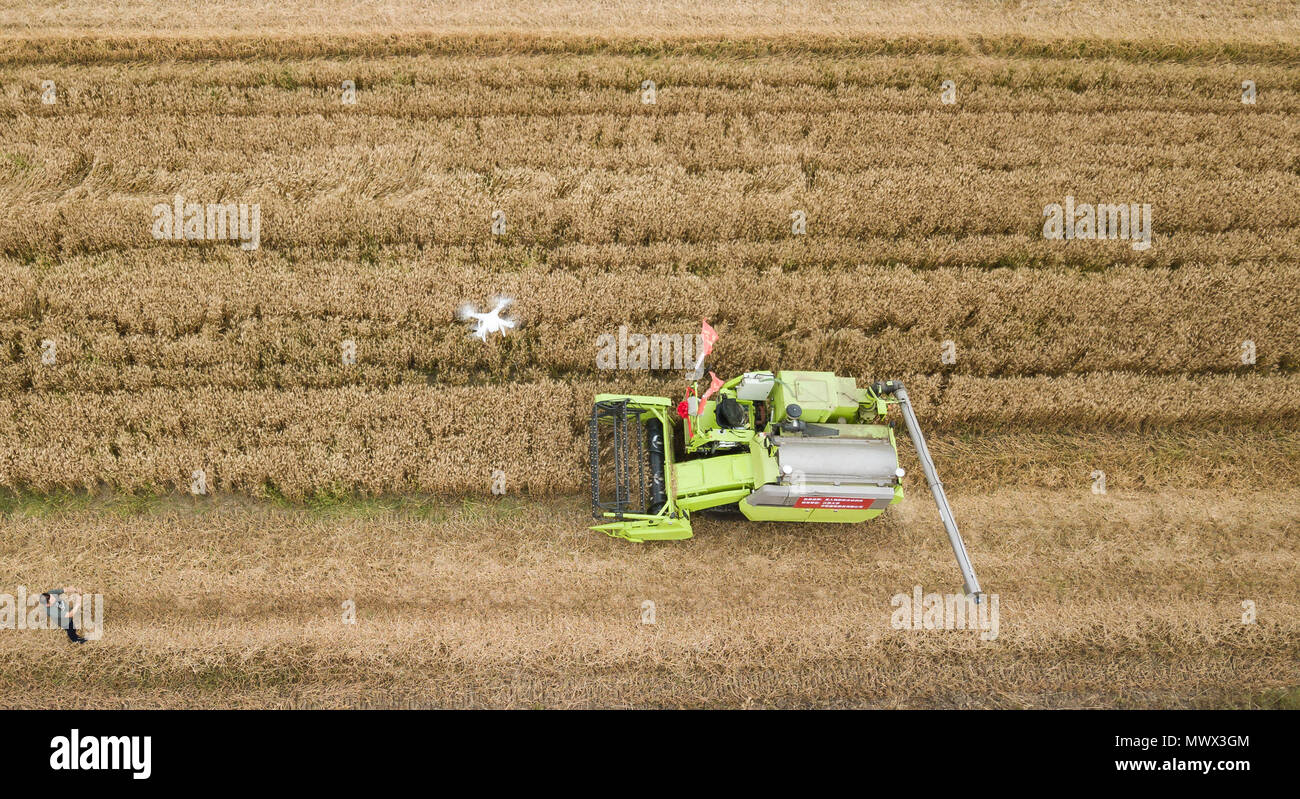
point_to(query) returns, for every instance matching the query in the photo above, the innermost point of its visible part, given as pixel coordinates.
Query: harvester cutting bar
(895, 387)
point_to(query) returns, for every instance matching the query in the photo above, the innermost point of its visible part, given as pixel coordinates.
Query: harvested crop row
(796, 658)
(131, 322)
(1131, 597)
(1125, 541)
(451, 440)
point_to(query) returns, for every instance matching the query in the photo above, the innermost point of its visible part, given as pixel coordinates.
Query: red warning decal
(833, 503)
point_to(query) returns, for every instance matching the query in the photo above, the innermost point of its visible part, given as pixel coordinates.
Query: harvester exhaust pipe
(895, 387)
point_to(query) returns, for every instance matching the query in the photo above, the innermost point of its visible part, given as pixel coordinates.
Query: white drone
(490, 322)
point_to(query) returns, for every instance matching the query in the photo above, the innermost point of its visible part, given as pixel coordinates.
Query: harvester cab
(773, 446)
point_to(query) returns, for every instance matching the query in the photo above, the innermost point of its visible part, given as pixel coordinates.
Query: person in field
(56, 606)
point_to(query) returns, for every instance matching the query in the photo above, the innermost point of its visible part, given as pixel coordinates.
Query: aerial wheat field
(276, 452)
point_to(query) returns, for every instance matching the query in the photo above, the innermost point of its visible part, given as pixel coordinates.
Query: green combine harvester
(772, 446)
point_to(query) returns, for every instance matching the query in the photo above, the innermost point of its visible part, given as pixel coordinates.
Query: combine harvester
(774, 446)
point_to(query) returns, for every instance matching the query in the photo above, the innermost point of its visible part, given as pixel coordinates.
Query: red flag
(715, 383)
(708, 336)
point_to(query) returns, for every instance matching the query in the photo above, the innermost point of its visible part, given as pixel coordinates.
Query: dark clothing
(58, 613)
(57, 610)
